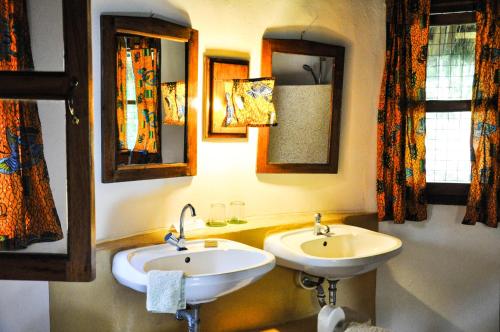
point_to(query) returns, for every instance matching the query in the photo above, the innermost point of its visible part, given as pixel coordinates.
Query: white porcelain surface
(346, 252)
(209, 272)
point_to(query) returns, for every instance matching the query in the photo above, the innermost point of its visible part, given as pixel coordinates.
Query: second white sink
(345, 252)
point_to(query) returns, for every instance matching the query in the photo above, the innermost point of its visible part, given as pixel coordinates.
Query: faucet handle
(171, 237)
(317, 218)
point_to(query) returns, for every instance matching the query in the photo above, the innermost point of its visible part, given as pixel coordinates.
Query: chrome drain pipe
(192, 316)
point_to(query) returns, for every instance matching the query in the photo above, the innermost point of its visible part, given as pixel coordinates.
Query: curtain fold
(482, 203)
(27, 209)
(121, 93)
(174, 103)
(401, 114)
(145, 64)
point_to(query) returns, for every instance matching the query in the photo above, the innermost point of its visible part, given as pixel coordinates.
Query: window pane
(447, 144)
(132, 118)
(450, 62)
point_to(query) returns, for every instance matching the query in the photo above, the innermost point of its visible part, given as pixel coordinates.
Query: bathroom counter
(265, 225)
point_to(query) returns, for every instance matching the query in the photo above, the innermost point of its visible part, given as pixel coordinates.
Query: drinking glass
(237, 213)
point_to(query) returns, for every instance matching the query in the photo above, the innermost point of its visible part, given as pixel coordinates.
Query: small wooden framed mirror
(149, 82)
(307, 97)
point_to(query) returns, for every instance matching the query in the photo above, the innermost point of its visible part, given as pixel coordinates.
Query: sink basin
(347, 251)
(209, 272)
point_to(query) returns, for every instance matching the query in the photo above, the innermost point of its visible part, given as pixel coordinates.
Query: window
(450, 72)
(132, 119)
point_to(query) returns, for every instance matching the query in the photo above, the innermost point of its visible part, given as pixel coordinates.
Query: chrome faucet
(318, 228)
(180, 242)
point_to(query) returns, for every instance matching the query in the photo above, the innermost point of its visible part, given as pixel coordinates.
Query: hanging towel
(165, 292)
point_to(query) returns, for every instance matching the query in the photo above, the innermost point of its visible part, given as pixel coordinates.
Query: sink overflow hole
(187, 260)
(325, 244)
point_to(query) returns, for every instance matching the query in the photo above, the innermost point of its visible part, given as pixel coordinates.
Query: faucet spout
(179, 242)
(181, 224)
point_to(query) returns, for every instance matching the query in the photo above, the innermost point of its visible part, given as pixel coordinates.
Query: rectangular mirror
(149, 82)
(307, 97)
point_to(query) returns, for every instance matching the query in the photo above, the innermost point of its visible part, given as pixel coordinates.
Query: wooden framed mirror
(149, 83)
(46, 165)
(307, 97)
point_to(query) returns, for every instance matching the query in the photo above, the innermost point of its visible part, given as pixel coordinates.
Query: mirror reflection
(303, 101)
(33, 202)
(151, 100)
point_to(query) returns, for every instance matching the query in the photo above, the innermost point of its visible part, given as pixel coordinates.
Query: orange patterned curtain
(121, 93)
(145, 64)
(401, 115)
(482, 204)
(27, 210)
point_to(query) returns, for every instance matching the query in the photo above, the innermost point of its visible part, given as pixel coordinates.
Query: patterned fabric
(27, 209)
(121, 93)
(482, 205)
(145, 63)
(401, 115)
(249, 103)
(174, 103)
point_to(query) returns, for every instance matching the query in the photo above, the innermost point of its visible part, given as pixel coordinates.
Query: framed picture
(216, 71)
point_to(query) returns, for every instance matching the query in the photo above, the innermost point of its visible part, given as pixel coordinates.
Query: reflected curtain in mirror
(137, 99)
(144, 61)
(249, 103)
(27, 209)
(174, 103)
(401, 115)
(121, 94)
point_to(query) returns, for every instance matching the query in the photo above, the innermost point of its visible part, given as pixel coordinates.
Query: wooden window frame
(446, 12)
(111, 26)
(79, 262)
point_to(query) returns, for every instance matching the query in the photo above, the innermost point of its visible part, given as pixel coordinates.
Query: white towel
(165, 291)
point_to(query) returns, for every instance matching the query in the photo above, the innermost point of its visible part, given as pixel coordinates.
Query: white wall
(226, 170)
(24, 306)
(446, 279)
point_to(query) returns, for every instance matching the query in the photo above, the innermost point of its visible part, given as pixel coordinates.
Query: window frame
(446, 12)
(78, 264)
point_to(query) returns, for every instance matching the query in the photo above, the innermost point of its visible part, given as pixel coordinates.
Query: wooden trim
(447, 193)
(448, 105)
(307, 48)
(208, 95)
(150, 27)
(110, 27)
(453, 18)
(34, 85)
(452, 6)
(79, 263)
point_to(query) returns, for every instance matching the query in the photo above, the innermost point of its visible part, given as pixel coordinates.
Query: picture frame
(216, 70)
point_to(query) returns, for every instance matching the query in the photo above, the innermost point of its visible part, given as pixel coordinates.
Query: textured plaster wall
(447, 278)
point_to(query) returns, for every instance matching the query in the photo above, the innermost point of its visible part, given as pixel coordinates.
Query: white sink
(210, 272)
(345, 252)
